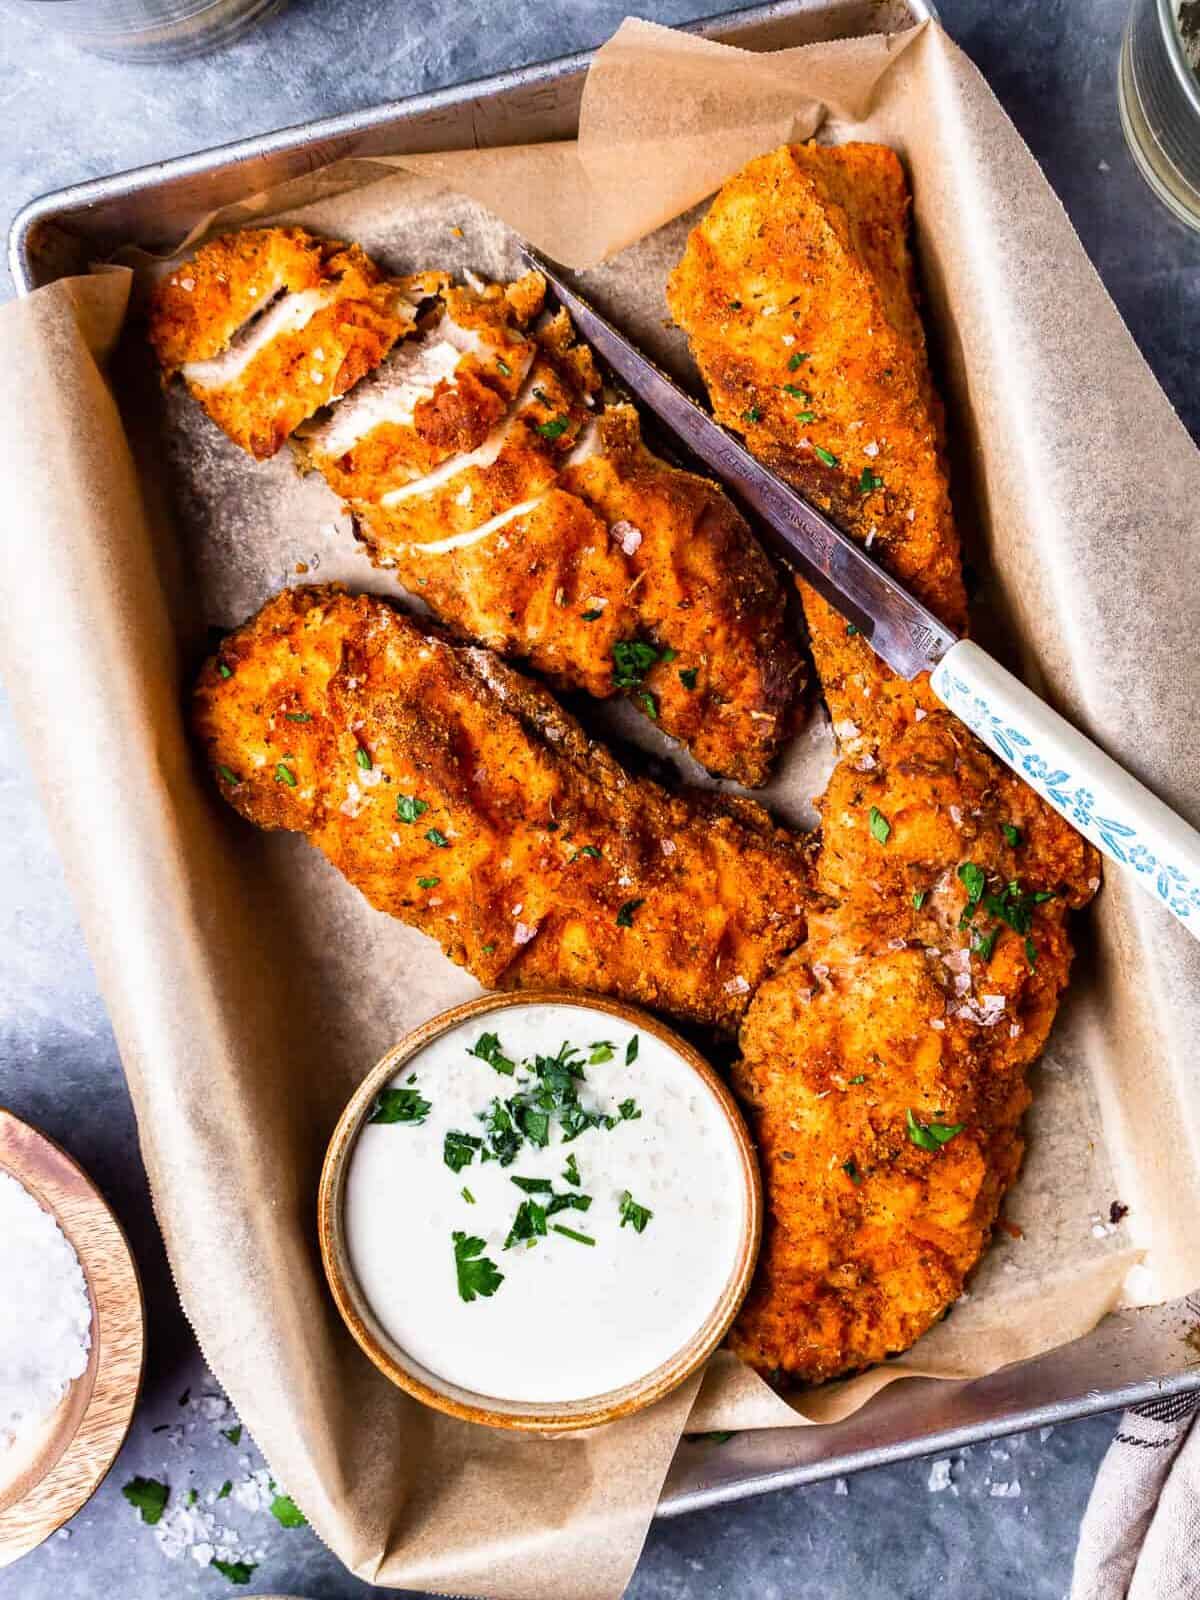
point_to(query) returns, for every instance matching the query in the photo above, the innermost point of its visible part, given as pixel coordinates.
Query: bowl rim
(542, 1417)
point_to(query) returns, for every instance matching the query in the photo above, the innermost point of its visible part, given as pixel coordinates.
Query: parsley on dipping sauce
(571, 1172)
(467, 1195)
(147, 1496)
(569, 1233)
(635, 1215)
(487, 1048)
(881, 828)
(631, 1051)
(409, 808)
(528, 1224)
(932, 1135)
(458, 1149)
(629, 1111)
(477, 1276)
(601, 1051)
(399, 1105)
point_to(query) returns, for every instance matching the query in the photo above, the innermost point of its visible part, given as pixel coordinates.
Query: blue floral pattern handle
(1117, 813)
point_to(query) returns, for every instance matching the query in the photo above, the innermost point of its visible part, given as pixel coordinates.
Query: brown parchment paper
(250, 987)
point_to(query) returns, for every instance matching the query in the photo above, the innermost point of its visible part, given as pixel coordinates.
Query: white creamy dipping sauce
(597, 1289)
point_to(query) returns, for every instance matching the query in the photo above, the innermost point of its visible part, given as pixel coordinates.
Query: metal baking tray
(1131, 1356)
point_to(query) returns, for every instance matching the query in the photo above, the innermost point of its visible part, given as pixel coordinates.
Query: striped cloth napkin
(1140, 1536)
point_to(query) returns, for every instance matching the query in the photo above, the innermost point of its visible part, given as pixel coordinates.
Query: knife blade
(897, 627)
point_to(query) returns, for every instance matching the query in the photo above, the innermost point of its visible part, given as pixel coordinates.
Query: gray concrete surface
(883, 1535)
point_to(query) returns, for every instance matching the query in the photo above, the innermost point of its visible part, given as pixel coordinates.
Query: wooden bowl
(46, 1479)
(528, 1416)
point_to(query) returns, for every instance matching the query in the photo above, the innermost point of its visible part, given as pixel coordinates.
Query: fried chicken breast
(459, 797)
(884, 1064)
(269, 325)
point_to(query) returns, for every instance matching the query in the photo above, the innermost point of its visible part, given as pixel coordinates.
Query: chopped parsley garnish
(225, 671)
(571, 1171)
(635, 1215)
(487, 1048)
(400, 1105)
(932, 1135)
(631, 1051)
(528, 1224)
(287, 1513)
(568, 1202)
(503, 368)
(1031, 952)
(850, 1168)
(363, 757)
(851, 629)
(284, 774)
(235, 1571)
(827, 456)
(503, 1140)
(806, 416)
(586, 850)
(796, 392)
(437, 838)
(569, 1233)
(629, 1111)
(648, 705)
(919, 898)
(591, 616)
(229, 775)
(869, 482)
(601, 1051)
(487, 949)
(626, 913)
(632, 660)
(984, 943)
(540, 394)
(797, 359)
(1014, 906)
(534, 1185)
(752, 414)
(974, 881)
(532, 1120)
(1012, 835)
(688, 676)
(859, 1077)
(881, 828)
(458, 1149)
(234, 1434)
(297, 716)
(409, 808)
(147, 1496)
(225, 1490)
(476, 1274)
(555, 428)
(428, 883)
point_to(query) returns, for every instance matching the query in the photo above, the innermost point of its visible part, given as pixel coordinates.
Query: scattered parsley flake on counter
(428, 883)
(827, 456)
(797, 359)
(235, 1571)
(688, 676)
(1012, 835)
(225, 671)
(458, 1149)
(504, 1142)
(476, 1274)
(234, 1434)
(398, 1105)
(569, 1233)
(503, 368)
(591, 616)
(631, 1051)
(437, 838)
(487, 1048)
(229, 775)
(225, 1490)
(625, 914)
(147, 1496)
(932, 1135)
(363, 757)
(850, 1168)
(601, 1051)
(869, 482)
(919, 898)
(635, 1215)
(528, 1224)
(287, 1513)
(409, 808)
(284, 774)
(553, 429)
(571, 1171)
(632, 660)
(881, 828)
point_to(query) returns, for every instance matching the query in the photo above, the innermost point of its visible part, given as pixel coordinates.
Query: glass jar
(149, 30)
(1158, 89)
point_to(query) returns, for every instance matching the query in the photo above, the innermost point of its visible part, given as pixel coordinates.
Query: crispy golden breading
(460, 798)
(269, 325)
(884, 1064)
